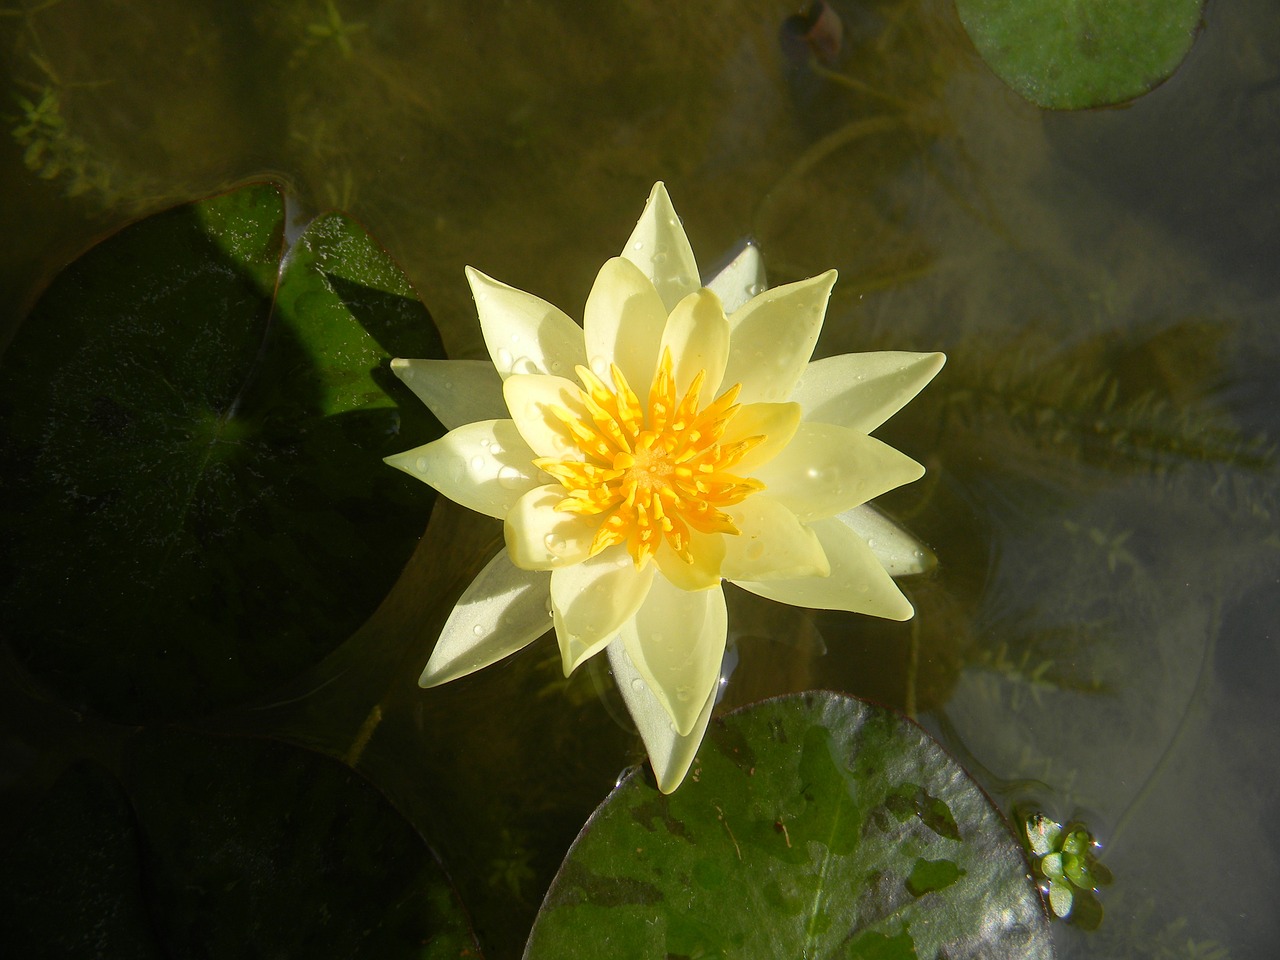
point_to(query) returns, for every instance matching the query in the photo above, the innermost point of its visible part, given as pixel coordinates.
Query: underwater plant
(699, 444)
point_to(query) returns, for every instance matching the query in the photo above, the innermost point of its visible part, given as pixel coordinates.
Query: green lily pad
(811, 825)
(223, 847)
(1085, 53)
(195, 507)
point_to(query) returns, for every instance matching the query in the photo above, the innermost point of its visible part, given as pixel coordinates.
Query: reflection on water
(1099, 496)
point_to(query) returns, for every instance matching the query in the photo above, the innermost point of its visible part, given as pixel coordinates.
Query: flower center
(655, 472)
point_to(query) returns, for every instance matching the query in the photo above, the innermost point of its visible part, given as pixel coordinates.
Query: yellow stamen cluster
(652, 473)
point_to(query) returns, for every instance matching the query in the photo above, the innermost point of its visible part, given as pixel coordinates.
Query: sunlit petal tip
(503, 610)
(660, 248)
(863, 390)
(670, 753)
(484, 466)
(524, 333)
(773, 337)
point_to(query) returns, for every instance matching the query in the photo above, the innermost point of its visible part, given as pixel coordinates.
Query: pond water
(1098, 637)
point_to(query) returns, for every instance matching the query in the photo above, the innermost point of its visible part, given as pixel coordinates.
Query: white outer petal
(484, 466)
(524, 333)
(827, 469)
(659, 247)
(503, 610)
(540, 537)
(676, 640)
(741, 279)
(456, 391)
(773, 336)
(863, 390)
(670, 754)
(590, 602)
(900, 553)
(857, 583)
(623, 323)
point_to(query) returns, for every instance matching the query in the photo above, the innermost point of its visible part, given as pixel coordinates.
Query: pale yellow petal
(533, 401)
(593, 599)
(773, 336)
(670, 753)
(776, 422)
(623, 324)
(827, 469)
(863, 390)
(659, 247)
(771, 544)
(524, 333)
(540, 537)
(857, 582)
(676, 641)
(503, 610)
(703, 571)
(484, 466)
(697, 334)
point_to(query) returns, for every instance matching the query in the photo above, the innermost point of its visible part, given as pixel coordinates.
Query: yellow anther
(651, 473)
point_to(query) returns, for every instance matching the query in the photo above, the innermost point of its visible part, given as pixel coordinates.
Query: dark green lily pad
(1086, 53)
(811, 825)
(194, 506)
(218, 847)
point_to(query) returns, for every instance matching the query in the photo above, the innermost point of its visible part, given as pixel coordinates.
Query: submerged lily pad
(1087, 53)
(225, 847)
(194, 502)
(811, 825)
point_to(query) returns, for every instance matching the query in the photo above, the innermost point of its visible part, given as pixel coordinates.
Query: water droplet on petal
(421, 464)
(637, 684)
(477, 463)
(478, 630)
(683, 694)
(509, 477)
(554, 544)
(503, 357)
(638, 245)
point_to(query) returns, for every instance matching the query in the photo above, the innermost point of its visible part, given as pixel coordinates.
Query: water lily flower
(679, 438)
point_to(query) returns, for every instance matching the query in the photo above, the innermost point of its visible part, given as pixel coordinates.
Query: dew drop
(871, 543)
(477, 463)
(478, 630)
(638, 245)
(683, 694)
(509, 477)
(637, 684)
(504, 357)
(421, 464)
(554, 544)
